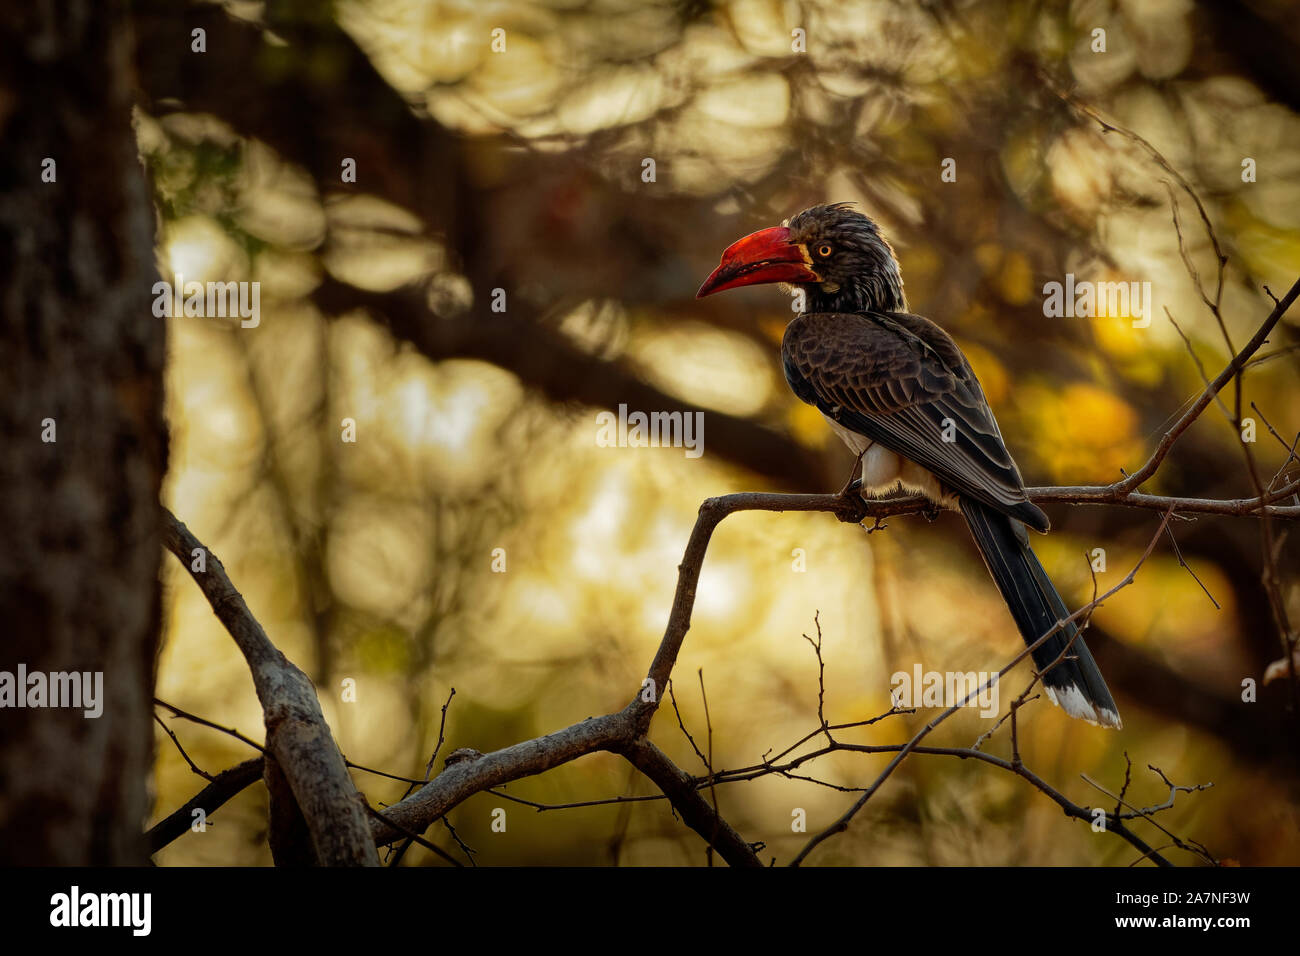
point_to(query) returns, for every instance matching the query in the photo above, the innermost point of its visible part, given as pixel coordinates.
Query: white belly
(884, 471)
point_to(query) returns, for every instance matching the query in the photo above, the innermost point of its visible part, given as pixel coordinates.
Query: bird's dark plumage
(901, 394)
(901, 381)
(1074, 682)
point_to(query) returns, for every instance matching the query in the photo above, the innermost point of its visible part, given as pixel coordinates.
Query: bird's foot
(852, 506)
(931, 512)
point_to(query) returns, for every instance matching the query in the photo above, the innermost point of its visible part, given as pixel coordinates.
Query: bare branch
(222, 787)
(296, 732)
(1230, 371)
(840, 825)
(695, 811)
(175, 740)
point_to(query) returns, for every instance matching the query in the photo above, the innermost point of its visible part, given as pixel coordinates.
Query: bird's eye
(824, 250)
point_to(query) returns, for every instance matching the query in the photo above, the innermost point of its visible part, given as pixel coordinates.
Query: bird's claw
(853, 505)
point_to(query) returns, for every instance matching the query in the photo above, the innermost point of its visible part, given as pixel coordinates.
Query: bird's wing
(901, 381)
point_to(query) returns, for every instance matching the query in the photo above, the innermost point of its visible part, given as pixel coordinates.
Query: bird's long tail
(1075, 684)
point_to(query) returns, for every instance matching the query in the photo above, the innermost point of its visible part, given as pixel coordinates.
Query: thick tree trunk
(81, 361)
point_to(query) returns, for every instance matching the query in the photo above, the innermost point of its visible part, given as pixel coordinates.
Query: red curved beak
(763, 256)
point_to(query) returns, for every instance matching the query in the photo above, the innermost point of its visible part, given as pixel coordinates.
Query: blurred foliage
(374, 561)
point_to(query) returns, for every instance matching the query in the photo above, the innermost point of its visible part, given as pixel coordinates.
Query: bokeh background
(373, 562)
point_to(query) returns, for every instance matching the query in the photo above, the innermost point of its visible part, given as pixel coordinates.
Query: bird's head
(836, 254)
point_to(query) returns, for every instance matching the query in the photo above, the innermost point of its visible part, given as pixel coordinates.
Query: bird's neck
(876, 292)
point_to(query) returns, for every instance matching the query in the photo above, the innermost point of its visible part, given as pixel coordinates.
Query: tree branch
(224, 785)
(1233, 368)
(623, 732)
(840, 825)
(681, 789)
(296, 733)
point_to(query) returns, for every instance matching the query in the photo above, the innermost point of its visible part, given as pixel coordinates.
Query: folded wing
(901, 381)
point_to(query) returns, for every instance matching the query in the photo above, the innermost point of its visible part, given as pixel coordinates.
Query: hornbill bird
(900, 393)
